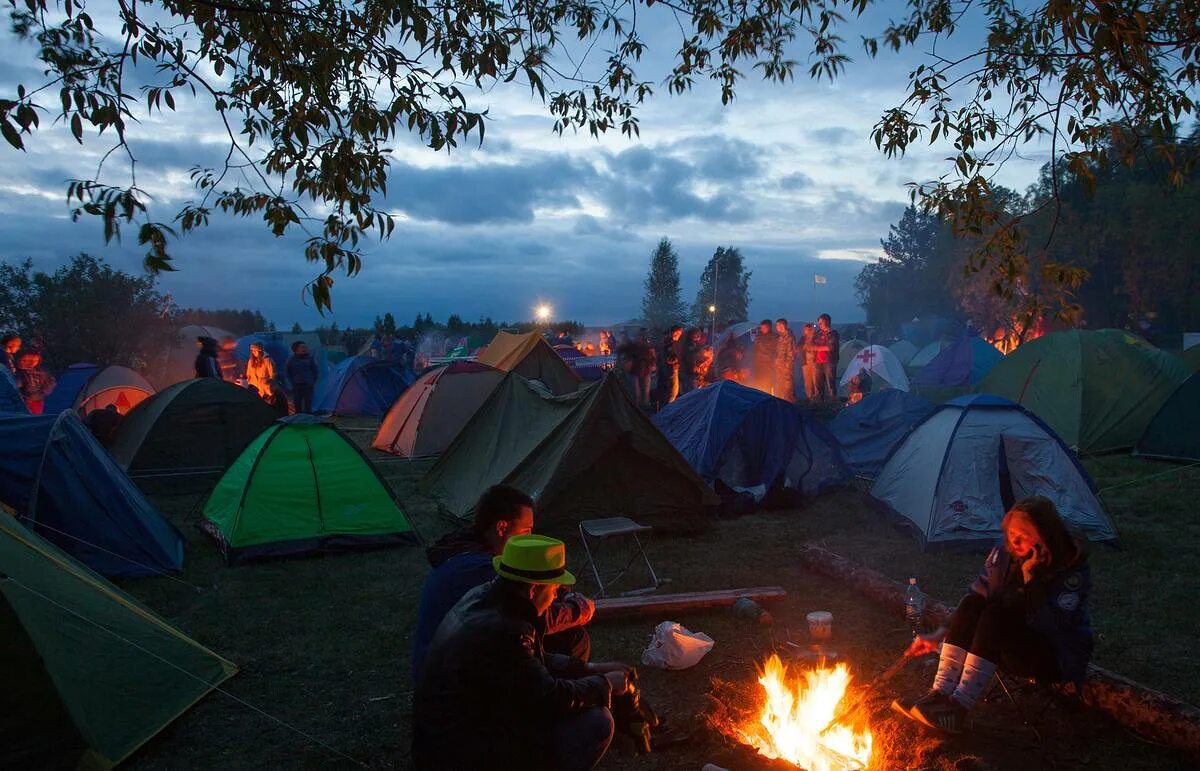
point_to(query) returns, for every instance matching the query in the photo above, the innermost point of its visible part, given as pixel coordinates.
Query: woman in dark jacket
(1027, 612)
(206, 360)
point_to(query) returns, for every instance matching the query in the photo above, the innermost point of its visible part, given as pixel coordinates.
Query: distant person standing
(34, 382)
(785, 356)
(644, 368)
(763, 357)
(206, 364)
(673, 354)
(302, 372)
(808, 363)
(826, 343)
(8, 352)
(687, 361)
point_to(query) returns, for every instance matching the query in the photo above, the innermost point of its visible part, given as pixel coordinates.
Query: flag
(818, 279)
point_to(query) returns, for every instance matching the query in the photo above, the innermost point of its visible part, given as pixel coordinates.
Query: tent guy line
(299, 732)
(1140, 480)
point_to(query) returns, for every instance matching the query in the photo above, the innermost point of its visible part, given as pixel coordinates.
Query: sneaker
(903, 705)
(941, 713)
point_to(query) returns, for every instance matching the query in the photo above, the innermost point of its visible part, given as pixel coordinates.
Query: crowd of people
(216, 359)
(660, 369)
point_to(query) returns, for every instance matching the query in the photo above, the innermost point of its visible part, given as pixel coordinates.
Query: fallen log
(615, 607)
(1145, 711)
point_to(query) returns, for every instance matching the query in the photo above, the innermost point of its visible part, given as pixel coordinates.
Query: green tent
(301, 487)
(1174, 433)
(1098, 390)
(88, 675)
(582, 455)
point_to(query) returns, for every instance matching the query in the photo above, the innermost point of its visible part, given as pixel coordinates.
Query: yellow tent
(531, 357)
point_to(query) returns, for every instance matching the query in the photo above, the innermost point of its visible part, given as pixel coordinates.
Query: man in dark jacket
(302, 373)
(490, 696)
(206, 358)
(462, 560)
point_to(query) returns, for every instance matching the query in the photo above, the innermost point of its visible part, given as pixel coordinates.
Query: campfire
(804, 719)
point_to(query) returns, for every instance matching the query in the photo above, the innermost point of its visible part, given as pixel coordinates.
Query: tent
(847, 352)
(926, 354)
(1174, 432)
(904, 351)
(532, 358)
(881, 364)
(957, 473)
(303, 487)
(87, 387)
(63, 485)
(427, 417)
(178, 362)
(278, 345)
(197, 425)
(1098, 390)
(867, 431)
(746, 437)
(963, 363)
(10, 397)
(361, 386)
(89, 674)
(587, 454)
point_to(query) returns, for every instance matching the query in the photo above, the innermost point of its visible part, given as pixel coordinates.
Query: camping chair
(1038, 697)
(617, 527)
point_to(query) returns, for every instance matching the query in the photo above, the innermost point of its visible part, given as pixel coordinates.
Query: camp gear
(964, 363)
(302, 487)
(88, 387)
(1097, 389)
(89, 674)
(362, 386)
(867, 432)
(1174, 431)
(427, 416)
(531, 357)
(534, 559)
(616, 527)
(63, 485)
(956, 474)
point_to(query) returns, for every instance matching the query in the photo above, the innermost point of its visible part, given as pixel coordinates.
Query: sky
(787, 174)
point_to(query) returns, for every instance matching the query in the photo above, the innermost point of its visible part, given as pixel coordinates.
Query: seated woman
(1026, 613)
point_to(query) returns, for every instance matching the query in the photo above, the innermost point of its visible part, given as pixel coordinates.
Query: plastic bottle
(914, 606)
(746, 608)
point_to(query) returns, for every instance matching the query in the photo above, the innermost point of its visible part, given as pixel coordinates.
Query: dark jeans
(1000, 635)
(826, 376)
(574, 642)
(581, 740)
(303, 396)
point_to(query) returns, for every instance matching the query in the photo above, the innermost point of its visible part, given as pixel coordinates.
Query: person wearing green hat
(490, 696)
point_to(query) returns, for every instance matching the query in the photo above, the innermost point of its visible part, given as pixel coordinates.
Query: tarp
(868, 431)
(927, 354)
(904, 350)
(199, 424)
(10, 397)
(1097, 389)
(89, 674)
(1174, 432)
(881, 364)
(427, 417)
(738, 434)
(87, 387)
(362, 386)
(956, 474)
(278, 345)
(178, 361)
(591, 453)
(532, 358)
(964, 363)
(303, 487)
(64, 485)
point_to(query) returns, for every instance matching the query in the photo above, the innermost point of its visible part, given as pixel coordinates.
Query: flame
(798, 724)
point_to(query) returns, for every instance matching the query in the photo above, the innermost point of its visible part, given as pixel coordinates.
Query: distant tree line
(239, 322)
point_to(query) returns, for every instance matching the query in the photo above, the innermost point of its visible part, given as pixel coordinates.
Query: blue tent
(10, 397)
(70, 383)
(962, 364)
(746, 437)
(867, 431)
(63, 485)
(361, 386)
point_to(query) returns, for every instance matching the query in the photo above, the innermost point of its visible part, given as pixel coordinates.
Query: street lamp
(712, 324)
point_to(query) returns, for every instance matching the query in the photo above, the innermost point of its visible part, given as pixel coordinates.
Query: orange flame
(800, 720)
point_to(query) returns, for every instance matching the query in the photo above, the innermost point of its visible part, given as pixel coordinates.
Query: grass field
(323, 644)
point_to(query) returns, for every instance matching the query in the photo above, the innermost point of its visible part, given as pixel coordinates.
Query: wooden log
(649, 605)
(1145, 711)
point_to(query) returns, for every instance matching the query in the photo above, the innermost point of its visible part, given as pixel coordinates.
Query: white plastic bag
(674, 647)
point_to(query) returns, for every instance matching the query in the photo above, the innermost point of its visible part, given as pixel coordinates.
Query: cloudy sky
(788, 174)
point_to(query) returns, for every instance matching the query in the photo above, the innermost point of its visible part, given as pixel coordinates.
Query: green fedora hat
(534, 559)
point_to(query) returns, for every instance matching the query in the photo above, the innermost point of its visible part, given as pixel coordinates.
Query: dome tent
(87, 387)
(963, 363)
(63, 485)
(904, 351)
(846, 353)
(362, 386)
(881, 364)
(868, 431)
(427, 417)
(957, 473)
(927, 354)
(531, 357)
(303, 487)
(89, 674)
(1098, 390)
(1174, 432)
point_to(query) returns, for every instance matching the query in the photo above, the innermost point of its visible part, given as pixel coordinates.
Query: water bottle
(914, 606)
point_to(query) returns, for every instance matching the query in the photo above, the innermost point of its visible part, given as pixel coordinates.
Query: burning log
(1146, 712)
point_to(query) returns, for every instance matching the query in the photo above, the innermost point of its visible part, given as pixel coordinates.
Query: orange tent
(427, 416)
(531, 357)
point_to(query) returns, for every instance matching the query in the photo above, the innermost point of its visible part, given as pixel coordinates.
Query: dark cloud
(797, 180)
(834, 135)
(648, 186)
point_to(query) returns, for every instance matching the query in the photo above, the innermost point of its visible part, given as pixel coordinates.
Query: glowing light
(712, 309)
(542, 312)
(797, 720)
